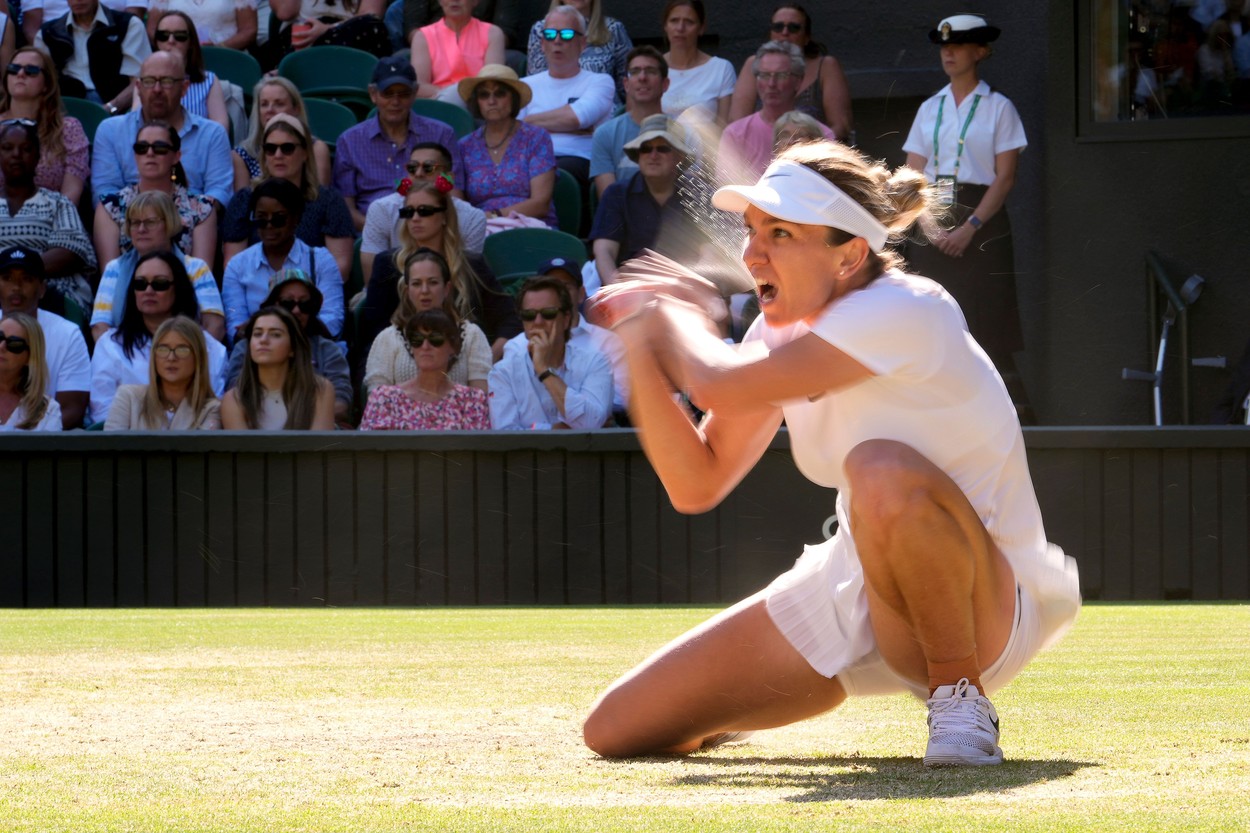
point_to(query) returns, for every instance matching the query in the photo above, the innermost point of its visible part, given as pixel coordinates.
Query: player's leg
(734, 672)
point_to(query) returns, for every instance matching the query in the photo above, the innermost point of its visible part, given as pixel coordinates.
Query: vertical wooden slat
(71, 527)
(1059, 485)
(1234, 552)
(401, 528)
(251, 514)
(131, 507)
(41, 532)
(492, 544)
(1176, 493)
(673, 559)
(1204, 467)
(101, 554)
(644, 532)
(370, 563)
(280, 530)
(13, 545)
(311, 517)
(1118, 531)
(1147, 527)
(462, 570)
(584, 476)
(1091, 562)
(705, 552)
(219, 534)
(432, 545)
(520, 523)
(615, 530)
(551, 538)
(190, 557)
(159, 521)
(339, 526)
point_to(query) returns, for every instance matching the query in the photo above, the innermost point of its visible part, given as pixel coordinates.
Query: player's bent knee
(891, 482)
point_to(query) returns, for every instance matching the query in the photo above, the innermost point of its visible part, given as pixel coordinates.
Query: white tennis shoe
(963, 728)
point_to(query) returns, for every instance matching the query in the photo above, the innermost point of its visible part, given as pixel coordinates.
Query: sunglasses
(415, 168)
(435, 340)
(484, 94)
(276, 220)
(157, 285)
(164, 351)
(181, 36)
(307, 306)
(159, 148)
(287, 148)
(549, 313)
(776, 77)
(408, 211)
(662, 149)
(789, 28)
(562, 34)
(29, 70)
(15, 344)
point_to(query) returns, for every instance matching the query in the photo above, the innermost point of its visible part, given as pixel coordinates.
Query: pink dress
(51, 171)
(390, 409)
(454, 60)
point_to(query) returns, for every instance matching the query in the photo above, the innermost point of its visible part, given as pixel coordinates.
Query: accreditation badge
(946, 189)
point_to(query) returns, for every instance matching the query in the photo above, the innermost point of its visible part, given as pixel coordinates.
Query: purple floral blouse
(390, 409)
(488, 186)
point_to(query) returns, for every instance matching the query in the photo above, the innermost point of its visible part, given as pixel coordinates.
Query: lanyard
(959, 154)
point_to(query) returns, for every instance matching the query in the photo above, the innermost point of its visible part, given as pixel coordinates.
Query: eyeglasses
(276, 220)
(159, 148)
(287, 148)
(789, 28)
(29, 70)
(307, 306)
(144, 225)
(775, 77)
(157, 285)
(164, 351)
(15, 344)
(167, 82)
(408, 211)
(181, 35)
(660, 148)
(435, 340)
(415, 168)
(548, 313)
(484, 94)
(562, 34)
(637, 72)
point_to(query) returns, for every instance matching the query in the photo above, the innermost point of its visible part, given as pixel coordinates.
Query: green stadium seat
(514, 254)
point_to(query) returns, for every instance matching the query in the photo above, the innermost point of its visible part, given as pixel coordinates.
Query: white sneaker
(963, 728)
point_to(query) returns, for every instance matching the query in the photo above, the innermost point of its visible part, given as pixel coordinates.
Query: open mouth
(767, 292)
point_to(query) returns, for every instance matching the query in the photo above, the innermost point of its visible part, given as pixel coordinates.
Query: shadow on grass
(866, 779)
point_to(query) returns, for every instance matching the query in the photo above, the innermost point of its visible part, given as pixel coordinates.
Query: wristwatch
(542, 377)
(975, 222)
(112, 108)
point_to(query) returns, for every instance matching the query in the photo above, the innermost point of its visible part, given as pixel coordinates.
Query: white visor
(795, 193)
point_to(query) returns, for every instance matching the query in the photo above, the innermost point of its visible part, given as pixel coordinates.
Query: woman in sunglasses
(179, 394)
(31, 92)
(509, 165)
(24, 377)
(42, 220)
(286, 153)
(275, 208)
(607, 43)
(228, 23)
(426, 286)
(431, 400)
(823, 93)
(429, 221)
(294, 291)
(152, 223)
(158, 157)
(271, 96)
(278, 389)
(175, 32)
(159, 290)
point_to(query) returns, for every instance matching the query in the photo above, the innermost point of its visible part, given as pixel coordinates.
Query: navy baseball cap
(20, 257)
(572, 267)
(394, 70)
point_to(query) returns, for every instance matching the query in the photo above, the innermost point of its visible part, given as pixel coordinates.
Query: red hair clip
(443, 183)
(403, 186)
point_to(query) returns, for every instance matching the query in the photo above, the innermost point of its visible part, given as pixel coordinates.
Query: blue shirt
(205, 156)
(518, 401)
(607, 155)
(629, 215)
(245, 285)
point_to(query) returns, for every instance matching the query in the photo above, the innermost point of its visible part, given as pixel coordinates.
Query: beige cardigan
(126, 413)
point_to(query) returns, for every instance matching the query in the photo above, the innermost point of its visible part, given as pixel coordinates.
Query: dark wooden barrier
(555, 518)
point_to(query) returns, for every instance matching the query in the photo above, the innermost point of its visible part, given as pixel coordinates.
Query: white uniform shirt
(995, 128)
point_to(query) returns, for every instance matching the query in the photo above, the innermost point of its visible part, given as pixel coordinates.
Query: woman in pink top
(455, 47)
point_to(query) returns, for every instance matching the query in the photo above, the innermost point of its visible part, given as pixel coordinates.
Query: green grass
(454, 719)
